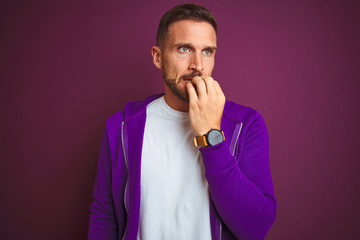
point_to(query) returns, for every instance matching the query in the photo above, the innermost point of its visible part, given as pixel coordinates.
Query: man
(187, 164)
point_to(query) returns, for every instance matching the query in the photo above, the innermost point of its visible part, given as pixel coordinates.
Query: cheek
(209, 65)
(181, 60)
(178, 64)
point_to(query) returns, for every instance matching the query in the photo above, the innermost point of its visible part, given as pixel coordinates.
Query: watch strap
(200, 141)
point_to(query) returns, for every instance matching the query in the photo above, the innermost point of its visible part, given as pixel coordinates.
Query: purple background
(67, 66)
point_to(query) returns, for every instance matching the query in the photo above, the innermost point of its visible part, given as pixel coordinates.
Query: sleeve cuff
(217, 159)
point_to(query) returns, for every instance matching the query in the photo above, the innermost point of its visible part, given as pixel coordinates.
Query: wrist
(204, 130)
(211, 138)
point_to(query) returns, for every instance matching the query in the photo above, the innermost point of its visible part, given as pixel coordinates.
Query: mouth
(187, 79)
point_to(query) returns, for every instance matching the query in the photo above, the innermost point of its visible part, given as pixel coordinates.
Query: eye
(184, 49)
(207, 52)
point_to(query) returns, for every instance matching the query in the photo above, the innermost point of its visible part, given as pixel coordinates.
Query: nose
(196, 63)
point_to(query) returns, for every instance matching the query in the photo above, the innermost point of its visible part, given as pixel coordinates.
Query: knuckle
(208, 79)
(223, 99)
(196, 78)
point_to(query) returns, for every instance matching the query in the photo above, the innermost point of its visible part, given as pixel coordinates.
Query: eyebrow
(177, 45)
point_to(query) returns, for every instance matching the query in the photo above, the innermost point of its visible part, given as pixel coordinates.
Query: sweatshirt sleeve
(242, 188)
(103, 223)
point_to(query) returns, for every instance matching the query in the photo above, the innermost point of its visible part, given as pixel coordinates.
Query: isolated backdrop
(68, 65)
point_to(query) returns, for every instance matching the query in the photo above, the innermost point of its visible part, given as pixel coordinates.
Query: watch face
(214, 137)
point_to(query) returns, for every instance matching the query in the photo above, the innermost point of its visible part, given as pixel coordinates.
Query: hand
(206, 104)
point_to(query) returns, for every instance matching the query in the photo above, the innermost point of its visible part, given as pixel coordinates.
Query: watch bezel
(209, 137)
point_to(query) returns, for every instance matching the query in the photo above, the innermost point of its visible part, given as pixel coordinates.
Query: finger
(191, 91)
(217, 88)
(219, 92)
(210, 85)
(200, 86)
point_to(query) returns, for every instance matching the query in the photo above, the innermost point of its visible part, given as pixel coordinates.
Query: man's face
(189, 51)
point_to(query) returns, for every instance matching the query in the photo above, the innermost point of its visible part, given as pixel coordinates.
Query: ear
(156, 54)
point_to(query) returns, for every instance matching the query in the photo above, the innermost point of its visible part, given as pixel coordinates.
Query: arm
(242, 188)
(103, 223)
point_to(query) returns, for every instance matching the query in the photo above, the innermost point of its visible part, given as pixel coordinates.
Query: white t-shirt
(174, 192)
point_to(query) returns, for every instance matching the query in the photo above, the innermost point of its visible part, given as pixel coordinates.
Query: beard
(175, 89)
(181, 94)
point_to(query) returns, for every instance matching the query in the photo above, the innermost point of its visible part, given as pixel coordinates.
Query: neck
(174, 102)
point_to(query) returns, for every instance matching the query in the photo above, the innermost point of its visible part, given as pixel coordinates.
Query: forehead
(193, 32)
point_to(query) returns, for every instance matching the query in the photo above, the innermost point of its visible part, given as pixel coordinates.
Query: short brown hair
(183, 12)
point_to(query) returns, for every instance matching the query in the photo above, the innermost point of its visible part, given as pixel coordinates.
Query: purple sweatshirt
(242, 201)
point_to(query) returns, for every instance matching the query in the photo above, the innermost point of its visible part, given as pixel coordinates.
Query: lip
(185, 80)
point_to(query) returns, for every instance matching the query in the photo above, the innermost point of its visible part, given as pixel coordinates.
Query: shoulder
(239, 112)
(252, 120)
(115, 119)
(131, 110)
